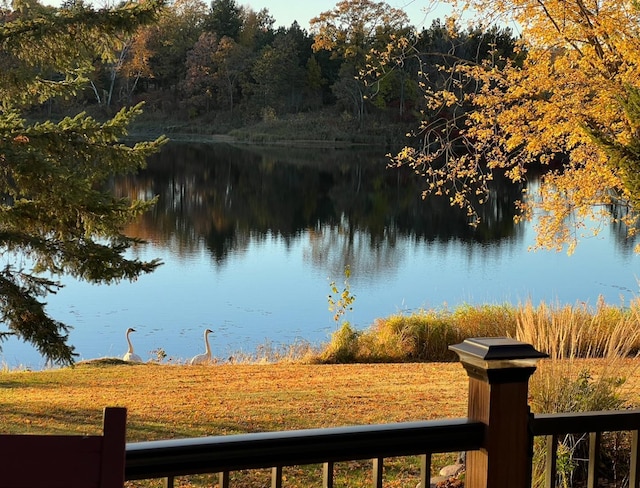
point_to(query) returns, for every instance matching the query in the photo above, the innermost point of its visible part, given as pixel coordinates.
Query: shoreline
(186, 137)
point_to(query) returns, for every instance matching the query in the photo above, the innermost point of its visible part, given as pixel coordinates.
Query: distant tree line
(226, 62)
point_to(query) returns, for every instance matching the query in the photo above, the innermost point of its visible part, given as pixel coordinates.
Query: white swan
(206, 357)
(130, 355)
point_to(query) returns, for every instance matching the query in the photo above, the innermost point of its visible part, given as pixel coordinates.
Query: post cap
(496, 349)
(498, 359)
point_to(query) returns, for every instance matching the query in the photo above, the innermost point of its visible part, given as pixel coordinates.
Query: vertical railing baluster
(594, 458)
(634, 464)
(327, 475)
(425, 470)
(378, 468)
(276, 477)
(168, 482)
(223, 479)
(551, 461)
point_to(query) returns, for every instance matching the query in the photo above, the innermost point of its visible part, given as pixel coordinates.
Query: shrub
(426, 335)
(575, 390)
(343, 347)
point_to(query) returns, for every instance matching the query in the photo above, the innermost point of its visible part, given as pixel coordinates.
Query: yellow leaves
(450, 24)
(447, 98)
(544, 112)
(567, 202)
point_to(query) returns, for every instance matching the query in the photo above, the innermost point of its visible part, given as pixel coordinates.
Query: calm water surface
(251, 238)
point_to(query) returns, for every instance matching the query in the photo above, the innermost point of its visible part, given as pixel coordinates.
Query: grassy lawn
(176, 401)
(171, 401)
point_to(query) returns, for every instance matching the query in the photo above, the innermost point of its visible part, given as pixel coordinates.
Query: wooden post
(499, 369)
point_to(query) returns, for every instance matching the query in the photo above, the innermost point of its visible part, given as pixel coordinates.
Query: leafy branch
(341, 302)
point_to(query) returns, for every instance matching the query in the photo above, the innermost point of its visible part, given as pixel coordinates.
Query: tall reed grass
(570, 332)
(588, 368)
(589, 352)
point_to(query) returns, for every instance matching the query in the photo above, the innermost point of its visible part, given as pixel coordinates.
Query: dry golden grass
(588, 369)
(566, 332)
(188, 401)
(179, 401)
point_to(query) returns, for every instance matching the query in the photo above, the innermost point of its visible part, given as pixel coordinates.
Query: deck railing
(170, 458)
(498, 435)
(593, 424)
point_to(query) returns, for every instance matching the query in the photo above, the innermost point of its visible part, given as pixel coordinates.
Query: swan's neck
(207, 349)
(130, 345)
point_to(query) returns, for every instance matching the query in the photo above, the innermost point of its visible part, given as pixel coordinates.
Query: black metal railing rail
(552, 426)
(223, 454)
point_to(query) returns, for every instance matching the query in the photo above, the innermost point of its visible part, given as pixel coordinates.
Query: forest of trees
(222, 62)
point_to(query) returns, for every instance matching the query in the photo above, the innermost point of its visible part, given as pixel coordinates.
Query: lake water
(251, 238)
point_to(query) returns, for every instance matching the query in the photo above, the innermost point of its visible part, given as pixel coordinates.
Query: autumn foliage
(563, 104)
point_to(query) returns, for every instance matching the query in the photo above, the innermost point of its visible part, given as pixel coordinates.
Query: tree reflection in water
(354, 208)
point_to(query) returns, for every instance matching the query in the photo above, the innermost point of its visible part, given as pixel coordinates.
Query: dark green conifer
(57, 215)
(626, 157)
